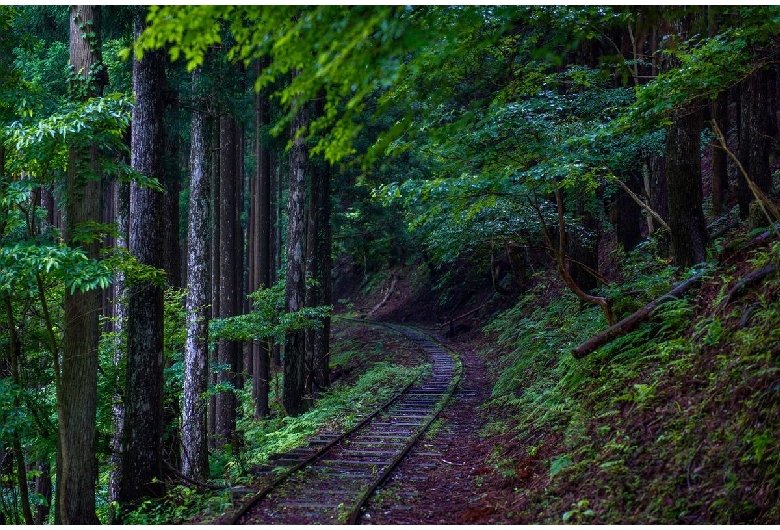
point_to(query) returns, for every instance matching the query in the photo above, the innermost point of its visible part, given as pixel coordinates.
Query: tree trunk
(143, 422)
(627, 215)
(171, 247)
(227, 351)
(43, 488)
(683, 179)
(584, 249)
(632, 321)
(194, 426)
(77, 395)
(318, 268)
(720, 176)
(120, 328)
(262, 242)
(295, 292)
(277, 237)
(719, 113)
(215, 260)
(754, 137)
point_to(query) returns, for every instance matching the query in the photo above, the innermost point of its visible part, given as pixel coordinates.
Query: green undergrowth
(341, 408)
(676, 422)
(344, 405)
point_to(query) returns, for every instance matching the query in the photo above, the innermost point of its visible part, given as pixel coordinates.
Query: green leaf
(558, 464)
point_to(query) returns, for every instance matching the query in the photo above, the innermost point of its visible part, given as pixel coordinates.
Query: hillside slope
(676, 422)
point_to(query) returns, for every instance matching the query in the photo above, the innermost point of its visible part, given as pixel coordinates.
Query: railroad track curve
(332, 485)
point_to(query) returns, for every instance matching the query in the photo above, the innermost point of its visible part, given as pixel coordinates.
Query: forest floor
(678, 424)
(447, 478)
(693, 449)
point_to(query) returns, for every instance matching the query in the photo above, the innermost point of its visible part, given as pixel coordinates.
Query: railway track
(332, 484)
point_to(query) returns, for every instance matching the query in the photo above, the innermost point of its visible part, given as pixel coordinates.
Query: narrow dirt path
(442, 480)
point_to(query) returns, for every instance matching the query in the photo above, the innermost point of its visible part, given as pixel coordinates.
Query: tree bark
(77, 395)
(142, 470)
(720, 177)
(583, 248)
(322, 263)
(120, 328)
(194, 409)
(263, 266)
(227, 351)
(215, 260)
(295, 291)
(561, 260)
(627, 215)
(754, 129)
(655, 188)
(688, 228)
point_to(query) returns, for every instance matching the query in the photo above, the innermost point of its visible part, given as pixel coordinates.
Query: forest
(200, 205)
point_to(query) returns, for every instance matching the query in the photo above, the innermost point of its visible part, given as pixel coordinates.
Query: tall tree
(754, 135)
(194, 425)
(682, 156)
(295, 290)
(689, 236)
(227, 351)
(215, 263)
(318, 268)
(261, 224)
(77, 394)
(143, 422)
(719, 112)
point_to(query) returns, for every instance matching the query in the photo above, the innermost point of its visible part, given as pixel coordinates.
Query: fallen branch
(387, 296)
(642, 204)
(451, 321)
(175, 472)
(632, 321)
(770, 209)
(744, 283)
(715, 234)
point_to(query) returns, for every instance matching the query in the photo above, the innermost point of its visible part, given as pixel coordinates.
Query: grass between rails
(676, 422)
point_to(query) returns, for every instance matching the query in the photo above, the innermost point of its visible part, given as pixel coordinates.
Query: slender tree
(194, 426)
(227, 351)
(262, 240)
(143, 421)
(295, 289)
(754, 135)
(719, 111)
(683, 179)
(318, 267)
(77, 394)
(215, 264)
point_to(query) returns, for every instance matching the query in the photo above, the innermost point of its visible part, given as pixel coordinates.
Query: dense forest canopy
(178, 185)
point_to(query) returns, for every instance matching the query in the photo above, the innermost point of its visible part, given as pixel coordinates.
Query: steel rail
(428, 344)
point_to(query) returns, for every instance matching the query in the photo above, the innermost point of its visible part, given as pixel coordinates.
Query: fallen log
(632, 321)
(390, 292)
(451, 321)
(743, 283)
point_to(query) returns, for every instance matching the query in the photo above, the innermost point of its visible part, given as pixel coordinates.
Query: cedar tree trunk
(77, 395)
(143, 421)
